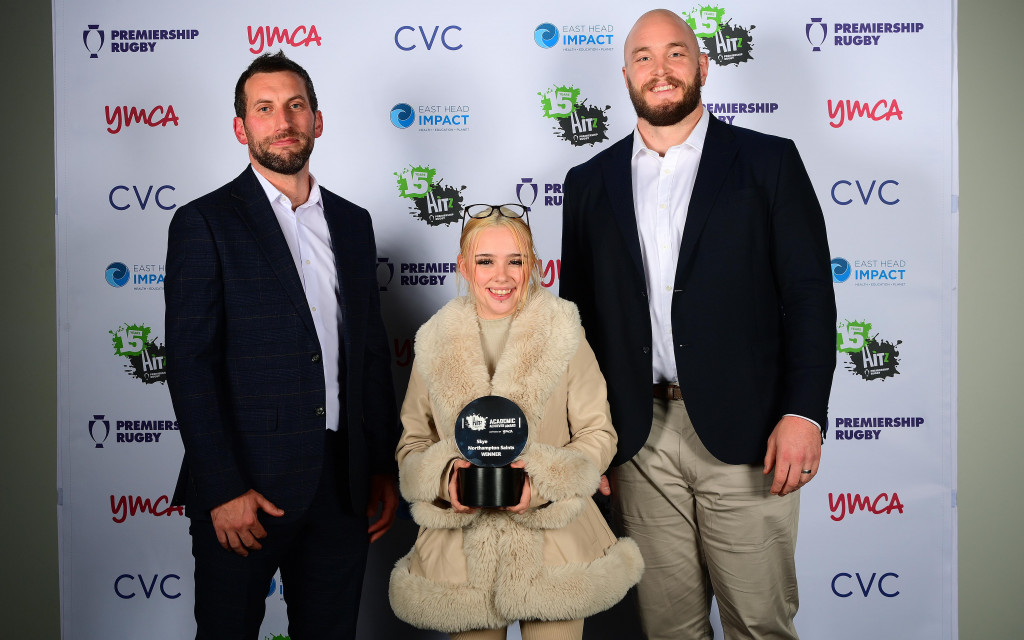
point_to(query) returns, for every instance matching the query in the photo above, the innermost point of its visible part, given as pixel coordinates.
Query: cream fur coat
(557, 561)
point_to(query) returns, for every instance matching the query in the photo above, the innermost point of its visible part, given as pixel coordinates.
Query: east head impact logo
(871, 357)
(726, 43)
(576, 122)
(433, 201)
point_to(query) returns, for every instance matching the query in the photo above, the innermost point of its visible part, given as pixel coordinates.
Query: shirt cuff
(820, 430)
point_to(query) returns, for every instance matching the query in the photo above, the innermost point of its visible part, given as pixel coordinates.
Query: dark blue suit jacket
(753, 310)
(243, 360)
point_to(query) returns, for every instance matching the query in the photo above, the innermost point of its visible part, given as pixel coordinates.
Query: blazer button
(320, 411)
(315, 357)
(647, 349)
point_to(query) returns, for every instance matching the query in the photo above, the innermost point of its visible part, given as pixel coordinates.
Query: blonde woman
(551, 560)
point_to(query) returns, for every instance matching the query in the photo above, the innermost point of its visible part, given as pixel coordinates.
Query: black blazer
(244, 363)
(753, 310)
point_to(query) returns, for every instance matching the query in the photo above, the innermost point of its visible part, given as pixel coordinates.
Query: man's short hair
(271, 63)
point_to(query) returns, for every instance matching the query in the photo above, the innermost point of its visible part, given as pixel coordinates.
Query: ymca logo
(125, 116)
(845, 111)
(265, 37)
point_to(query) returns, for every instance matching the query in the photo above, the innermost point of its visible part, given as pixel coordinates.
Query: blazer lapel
(256, 212)
(618, 179)
(345, 258)
(716, 157)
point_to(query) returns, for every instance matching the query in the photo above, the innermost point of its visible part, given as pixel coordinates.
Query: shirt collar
(273, 193)
(694, 140)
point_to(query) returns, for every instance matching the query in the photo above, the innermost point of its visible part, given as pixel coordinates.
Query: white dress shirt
(662, 187)
(309, 240)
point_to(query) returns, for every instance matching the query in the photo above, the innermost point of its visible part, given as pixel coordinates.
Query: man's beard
(668, 114)
(284, 162)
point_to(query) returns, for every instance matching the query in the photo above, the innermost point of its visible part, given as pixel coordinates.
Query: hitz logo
(726, 43)
(147, 360)
(575, 121)
(475, 422)
(432, 201)
(870, 358)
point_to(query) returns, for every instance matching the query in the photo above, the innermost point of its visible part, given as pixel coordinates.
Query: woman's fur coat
(557, 561)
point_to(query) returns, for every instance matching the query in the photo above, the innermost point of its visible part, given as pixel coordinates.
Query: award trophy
(490, 432)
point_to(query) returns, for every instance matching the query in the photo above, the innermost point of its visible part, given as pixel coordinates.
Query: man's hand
(383, 492)
(236, 524)
(453, 487)
(524, 502)
(793, 447)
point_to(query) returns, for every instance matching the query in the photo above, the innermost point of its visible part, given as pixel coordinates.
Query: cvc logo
(401, 39)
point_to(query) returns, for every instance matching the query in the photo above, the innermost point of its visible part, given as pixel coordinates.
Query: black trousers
(321, 553)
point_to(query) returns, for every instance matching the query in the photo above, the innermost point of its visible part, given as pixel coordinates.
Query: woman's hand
(524, 502)
(453, 487)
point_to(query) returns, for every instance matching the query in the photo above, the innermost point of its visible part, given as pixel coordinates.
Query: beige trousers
(706, 528)
(531, 630)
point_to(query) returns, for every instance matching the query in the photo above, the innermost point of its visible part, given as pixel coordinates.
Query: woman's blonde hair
(524, 243)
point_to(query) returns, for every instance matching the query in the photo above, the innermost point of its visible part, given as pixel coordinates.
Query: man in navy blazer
(279, 372)
(697, 255)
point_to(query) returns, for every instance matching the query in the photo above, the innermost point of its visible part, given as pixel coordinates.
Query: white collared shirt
(309, 240)
(662, 187)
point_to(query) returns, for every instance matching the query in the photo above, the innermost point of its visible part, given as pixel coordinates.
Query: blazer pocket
(257, 419)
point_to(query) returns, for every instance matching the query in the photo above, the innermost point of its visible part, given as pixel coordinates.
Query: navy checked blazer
(243, 360)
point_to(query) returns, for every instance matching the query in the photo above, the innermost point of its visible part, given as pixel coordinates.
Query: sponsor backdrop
(428, 108)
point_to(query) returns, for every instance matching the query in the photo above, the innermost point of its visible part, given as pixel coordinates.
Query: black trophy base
(490, 486)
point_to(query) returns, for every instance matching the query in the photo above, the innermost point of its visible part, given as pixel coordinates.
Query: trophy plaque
(490, 432)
